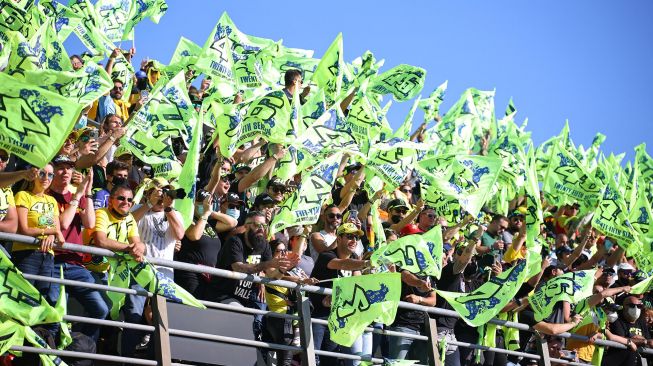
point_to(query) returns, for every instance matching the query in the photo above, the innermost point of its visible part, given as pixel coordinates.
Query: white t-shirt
(156, 233)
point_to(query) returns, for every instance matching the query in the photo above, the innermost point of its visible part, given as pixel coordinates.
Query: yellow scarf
(122, 109)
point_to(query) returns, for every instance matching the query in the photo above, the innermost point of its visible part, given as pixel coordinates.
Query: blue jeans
(400, 346)
(323, 342)
(41, 264)
(90, 299)
(133, 312)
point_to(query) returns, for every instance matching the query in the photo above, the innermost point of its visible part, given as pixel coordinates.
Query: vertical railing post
(432, 333)
(161, 335)
(542, 350)
(305, 329)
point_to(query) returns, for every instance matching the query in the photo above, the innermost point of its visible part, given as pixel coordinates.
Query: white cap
(625, 267)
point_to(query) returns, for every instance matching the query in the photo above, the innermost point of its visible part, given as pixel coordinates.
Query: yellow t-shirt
(511, 255)
(275, 297)
(41, 213)
(6, 201)
(116, 228)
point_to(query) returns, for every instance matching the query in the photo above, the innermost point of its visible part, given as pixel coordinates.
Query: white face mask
(612, 317)
(633, 313)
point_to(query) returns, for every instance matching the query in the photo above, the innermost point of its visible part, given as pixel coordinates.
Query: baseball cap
(239, 167)
(62, 159)
(232, 197)
(276, 182)
(396, 203)
(518, 212)
(625, 267)
(120, 151)
(349, 228)
(157, 182)
(410, 229)
(264, 199)
(140, 74)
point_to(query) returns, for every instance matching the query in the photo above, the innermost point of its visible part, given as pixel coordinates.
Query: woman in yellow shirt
(38, 216)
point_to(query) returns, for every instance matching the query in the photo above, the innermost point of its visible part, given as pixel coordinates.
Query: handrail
(292, 285)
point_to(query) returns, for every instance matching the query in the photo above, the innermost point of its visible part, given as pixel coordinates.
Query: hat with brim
(397, 203)
(264, 199)
(349, 228)
(62, 160)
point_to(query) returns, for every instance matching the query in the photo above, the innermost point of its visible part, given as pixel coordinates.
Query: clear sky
(587, 61)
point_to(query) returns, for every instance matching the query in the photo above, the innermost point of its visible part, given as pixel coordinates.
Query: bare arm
(319, 244)
(348, 264)
(176, 225)
(250, 153)
(88, 160)
(140, 211)
(103, 242)
(24, 229)
(555, 328)
(463, 260)
(9, 178)
(410, 217)
(347, 101)
(615, 257)
(224, 221)
(10, 223)
(261, 170)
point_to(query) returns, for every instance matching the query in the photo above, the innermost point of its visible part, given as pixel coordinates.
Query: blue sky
(587, 61)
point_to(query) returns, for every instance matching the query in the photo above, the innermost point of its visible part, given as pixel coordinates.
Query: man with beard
(248, 253)
(325, 239)
(515, 222)
(491, 239)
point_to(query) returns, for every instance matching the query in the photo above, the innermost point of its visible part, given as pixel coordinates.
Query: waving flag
(34, 122)
(419, 254)
(360, 300)
(431, 105)
(404, 82)
(332, 72)
(113, 15)
(572, 287)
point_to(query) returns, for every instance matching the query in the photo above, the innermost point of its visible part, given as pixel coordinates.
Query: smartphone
(145, 94)
(608, 244)
(93, 134)
(353, 214)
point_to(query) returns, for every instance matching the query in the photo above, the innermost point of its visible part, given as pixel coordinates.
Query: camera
(202, 194)
(178, 193)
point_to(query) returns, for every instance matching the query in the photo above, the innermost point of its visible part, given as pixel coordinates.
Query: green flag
(124, 267)
(187, 179)
(644, 162)
(303, 206)
(11, 334)
(186, 52)
(478, 307)
(404, 82)
(40, 50)
(611, 216)
(330, 133)
(88, 28)
(168, 112)
(65, 20)
(34, 122)
(113, 16)
(360, 300)
(141, 9)
(572, 287)
(21, 302)
(419, 254)
(61, 307)
(83, 86)
(642, 287)
(403, 132)
(568, 181)
(228, 120)
(267, 116)
(466, 178)
(331, 71)
(533, 217)
(391, 161)
(431, 105)
(38, 342)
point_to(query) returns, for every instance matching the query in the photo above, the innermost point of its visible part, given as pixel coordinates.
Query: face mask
(233, 213)
(119, 181)
(200, 210)
(395, 218)
(612, 317)
(633, 313)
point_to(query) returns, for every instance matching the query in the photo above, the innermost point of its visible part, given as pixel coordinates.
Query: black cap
(232, 197)
(239, 167)
(62, 159)
(397, 202)
(276, 182)
(264, 199)
(564, 249)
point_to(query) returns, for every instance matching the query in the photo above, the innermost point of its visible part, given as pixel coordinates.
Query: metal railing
(162, 331)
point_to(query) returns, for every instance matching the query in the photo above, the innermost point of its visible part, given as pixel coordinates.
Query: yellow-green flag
(331, 71)
(21, 302)
(419, 254)
(34, 122)
(611, 216)
(572, 287)
(478, 307)
(113, 16)
(360, 300)
(404, 82)
(431, 105)
(642, 287)
(303, 206)
(141, 9)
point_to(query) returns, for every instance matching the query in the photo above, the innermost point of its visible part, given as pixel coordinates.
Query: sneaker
(144, 342)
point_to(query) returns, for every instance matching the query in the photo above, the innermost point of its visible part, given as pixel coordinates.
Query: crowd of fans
(86, 196)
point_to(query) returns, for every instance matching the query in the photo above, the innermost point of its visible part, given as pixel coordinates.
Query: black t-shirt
(448, 282)
(203, 251)
(357, 202)
(412, 319)
(322, 272)
(235, 250)
(615, 356)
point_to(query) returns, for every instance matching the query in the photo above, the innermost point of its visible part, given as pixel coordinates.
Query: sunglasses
(277, 189)
(518, 218)
(406, 190)
(281, 251)
(119, 88)
(639, 306)
(85, 138)
(233, 206)
(350, 236)
(256, 225)
(123, 198)
(401, 210)
(334, 216)
(430, 216)
(43, 174)
(4, 158)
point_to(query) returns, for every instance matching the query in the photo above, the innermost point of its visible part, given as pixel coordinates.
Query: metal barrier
(308, 351)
